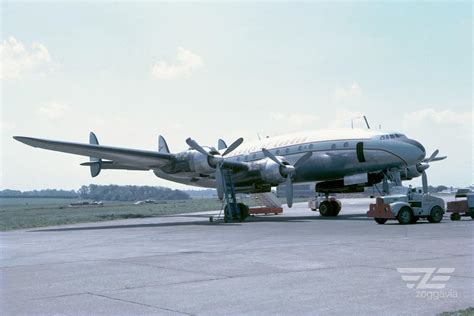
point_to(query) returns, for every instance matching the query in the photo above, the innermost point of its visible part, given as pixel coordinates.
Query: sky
(133, 71)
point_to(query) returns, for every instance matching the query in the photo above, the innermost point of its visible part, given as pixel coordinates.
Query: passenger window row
(286, 151)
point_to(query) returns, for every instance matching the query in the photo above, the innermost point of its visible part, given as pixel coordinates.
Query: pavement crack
(137, 303)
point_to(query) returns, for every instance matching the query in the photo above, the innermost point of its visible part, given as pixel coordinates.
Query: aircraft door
(360, 151)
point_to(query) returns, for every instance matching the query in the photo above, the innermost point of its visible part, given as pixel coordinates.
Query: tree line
(103, 192)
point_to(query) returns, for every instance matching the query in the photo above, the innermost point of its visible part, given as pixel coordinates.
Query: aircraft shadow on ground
(250, 220)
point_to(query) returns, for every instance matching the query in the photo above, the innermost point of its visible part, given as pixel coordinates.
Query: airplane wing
(131, 158)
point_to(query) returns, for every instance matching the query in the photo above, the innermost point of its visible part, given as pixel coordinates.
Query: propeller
(424, 164)
(433, 157)
(288, 171)
(216, 160)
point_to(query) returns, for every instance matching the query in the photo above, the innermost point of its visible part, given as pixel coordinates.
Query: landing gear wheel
(455, 217)
(336, 208)
(436, 215)
(405, 215)
(226, 217)
(244, 211)
(380, 221)
(325, 208)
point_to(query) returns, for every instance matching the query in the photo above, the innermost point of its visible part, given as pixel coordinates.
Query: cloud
(52, 111)
(186, 63)
(7, 125)
(343, 119)
(438, 117)
(352, 91)
(17, 60)
(294, 119)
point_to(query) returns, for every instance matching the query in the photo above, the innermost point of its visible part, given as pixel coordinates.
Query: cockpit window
(382, 137)
(392, 136)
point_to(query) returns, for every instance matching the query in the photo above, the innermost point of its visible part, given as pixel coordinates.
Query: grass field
(17, 213)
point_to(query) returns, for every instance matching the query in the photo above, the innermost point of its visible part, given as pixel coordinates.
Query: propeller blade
(424, 181)
(219, 183)
(272, 157)
(439, 158)
(289, 191)
(433, 156)
(194, 145)
(233, 146)
(303, 159)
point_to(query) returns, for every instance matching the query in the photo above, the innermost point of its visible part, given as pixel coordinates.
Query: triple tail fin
(162, 145)
(95, 163)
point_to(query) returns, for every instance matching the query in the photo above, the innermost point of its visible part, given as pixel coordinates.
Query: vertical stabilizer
(162, 145)
(96, 163)
(221, 144)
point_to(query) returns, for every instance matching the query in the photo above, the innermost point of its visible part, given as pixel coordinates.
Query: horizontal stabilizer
(130, 157)
(113, 165)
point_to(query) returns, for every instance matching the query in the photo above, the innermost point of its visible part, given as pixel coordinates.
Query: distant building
(202, 194)
(299, 190)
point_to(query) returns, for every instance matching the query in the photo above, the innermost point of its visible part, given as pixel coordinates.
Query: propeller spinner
(216, 160)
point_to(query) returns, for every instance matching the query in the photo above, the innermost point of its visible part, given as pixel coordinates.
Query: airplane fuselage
(336, 154)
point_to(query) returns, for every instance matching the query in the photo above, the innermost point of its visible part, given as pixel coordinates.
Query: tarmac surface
(295, 263)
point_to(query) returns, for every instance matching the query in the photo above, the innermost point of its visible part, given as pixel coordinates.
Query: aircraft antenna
(366, 122)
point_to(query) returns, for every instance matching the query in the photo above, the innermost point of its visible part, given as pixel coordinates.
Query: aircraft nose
(419, 146)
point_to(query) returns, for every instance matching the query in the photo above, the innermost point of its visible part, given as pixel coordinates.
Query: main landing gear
(240, 215)
(236, 213)
(330, 207)
(327, 206)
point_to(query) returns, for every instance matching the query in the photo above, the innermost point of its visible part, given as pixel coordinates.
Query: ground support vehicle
(407, 205)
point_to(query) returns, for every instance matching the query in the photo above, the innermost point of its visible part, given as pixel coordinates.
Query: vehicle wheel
(380, 221)
(336, 208)
(456, 217)
(405, 215)
(436, 215)
(325, 208)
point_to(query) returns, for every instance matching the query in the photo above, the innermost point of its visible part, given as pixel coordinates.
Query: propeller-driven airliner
(345, 160)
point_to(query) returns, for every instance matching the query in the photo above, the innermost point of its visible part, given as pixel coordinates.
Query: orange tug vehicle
(464, 207)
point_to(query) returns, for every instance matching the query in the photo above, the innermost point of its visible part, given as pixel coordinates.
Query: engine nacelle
(411, 173)
(199, 163)
(271, 172)
(416, 171)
